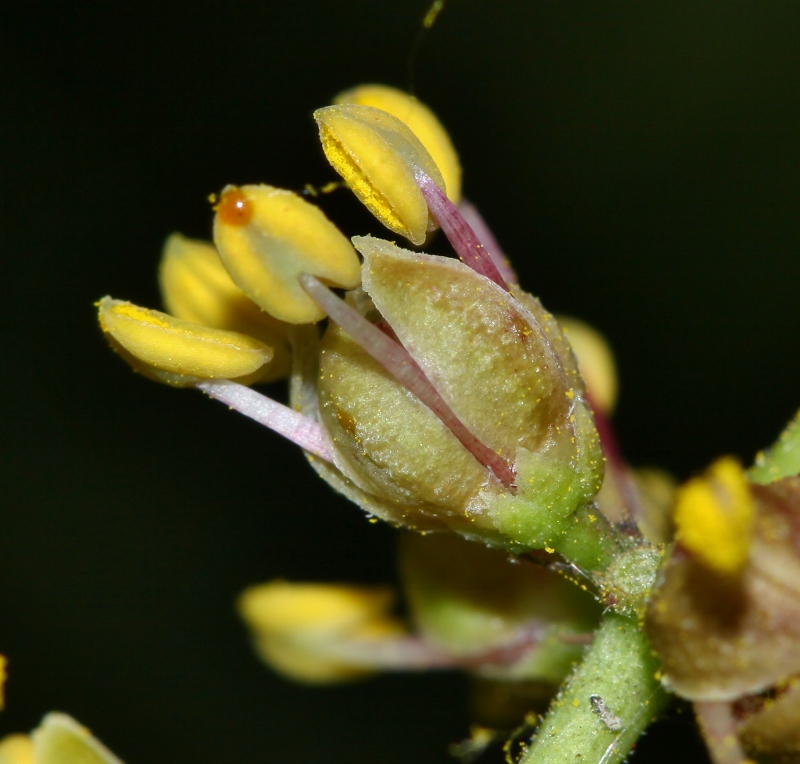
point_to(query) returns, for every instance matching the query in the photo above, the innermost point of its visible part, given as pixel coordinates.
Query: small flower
(439, 397)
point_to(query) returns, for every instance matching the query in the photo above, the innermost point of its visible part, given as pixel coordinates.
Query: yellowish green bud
(497, 367)
(268, 236)
(196, 287)
(180, 347)
(377, 155)
(422, 122)
(305, 631)
(714, 517)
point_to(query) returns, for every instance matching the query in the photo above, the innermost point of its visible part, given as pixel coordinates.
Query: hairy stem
(607, 702)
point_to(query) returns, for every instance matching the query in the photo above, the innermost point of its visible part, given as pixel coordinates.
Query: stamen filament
(400, 364)
(300, 429)
(465, 242)
(476, 222)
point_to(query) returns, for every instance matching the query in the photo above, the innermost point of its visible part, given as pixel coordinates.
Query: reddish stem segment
(298, 428)
(459, 233)
(399, 363)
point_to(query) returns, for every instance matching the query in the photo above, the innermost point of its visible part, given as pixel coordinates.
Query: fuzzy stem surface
(607, 702)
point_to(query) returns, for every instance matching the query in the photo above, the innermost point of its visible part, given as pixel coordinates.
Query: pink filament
(298, 428)
(475, 221)
(399, 363)
(459, 233)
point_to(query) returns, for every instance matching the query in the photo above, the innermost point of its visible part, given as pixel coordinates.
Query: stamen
(459, 233)
(400, 364)
(476, 222)
(300, 429)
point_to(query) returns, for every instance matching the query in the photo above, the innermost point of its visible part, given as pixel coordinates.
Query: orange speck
(235, 208)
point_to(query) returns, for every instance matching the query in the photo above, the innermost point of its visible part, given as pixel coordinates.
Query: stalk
(607, 702)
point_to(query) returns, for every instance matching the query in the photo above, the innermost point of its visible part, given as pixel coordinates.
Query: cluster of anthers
(440, 397)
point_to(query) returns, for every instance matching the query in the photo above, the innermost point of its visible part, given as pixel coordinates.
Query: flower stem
(607, 702)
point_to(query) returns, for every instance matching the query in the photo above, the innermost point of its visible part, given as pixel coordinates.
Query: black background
(638, 161)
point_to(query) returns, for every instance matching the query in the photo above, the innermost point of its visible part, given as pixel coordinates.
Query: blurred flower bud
(318, 633)
(474, 601)
(267, 237)
(196, 287)
(725, 628)
(378, 155)
(595, 362)
(421, 121)
(59, 739)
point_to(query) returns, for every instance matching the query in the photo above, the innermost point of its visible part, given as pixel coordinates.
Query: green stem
(619, 669)
(589, 540)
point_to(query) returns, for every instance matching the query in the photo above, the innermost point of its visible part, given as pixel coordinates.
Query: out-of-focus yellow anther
(422, 122)
(16, 749)
(377, 156)
(595, 362)
(299, 629)
(714, 517)
(283, 237)
(59, 739)
(181, 347)
(196, 287)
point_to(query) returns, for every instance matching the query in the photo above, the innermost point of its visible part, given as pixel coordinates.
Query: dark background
(640, 163)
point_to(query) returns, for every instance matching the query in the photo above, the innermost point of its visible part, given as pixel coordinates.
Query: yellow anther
(595, 361)
(422, 122)
(377, 155)
(196, 287)
(714, 516)
(16, 749)
(180, 347)
(300, 629)
(59, 739)
(267, 237)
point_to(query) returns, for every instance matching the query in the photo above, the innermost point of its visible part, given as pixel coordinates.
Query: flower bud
(500, 372)
(196, 287)
(420, 120)
(724, 632)
(267, 237)
(180, 347)
(377, 155)
(470, 600)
